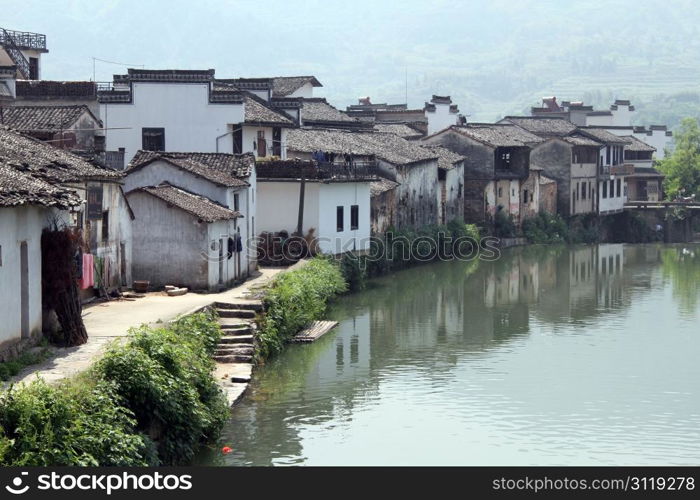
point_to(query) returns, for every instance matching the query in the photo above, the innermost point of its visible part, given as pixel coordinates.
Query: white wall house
(226, 179)
(336, 208)
(27, 205)
(184, 111)
(611, 193)
(183, 239)
(441, 113)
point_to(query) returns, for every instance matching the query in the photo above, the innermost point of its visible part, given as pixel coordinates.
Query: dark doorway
(262, 143)
(33, 68)
(277, 141)
(24, 288)
(238, 141)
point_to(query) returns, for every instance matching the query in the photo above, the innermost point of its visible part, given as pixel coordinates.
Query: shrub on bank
(149, 401)
(295, 299)
(545, 228)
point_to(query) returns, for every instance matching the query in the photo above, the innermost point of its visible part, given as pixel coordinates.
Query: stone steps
(245, 349)
(236, 339)
(233, 358)
(236, 313)
(256, 306)
(242, 328)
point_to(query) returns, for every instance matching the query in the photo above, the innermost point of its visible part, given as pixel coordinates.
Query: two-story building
(222, 179)
(645, 183)
(497, 161)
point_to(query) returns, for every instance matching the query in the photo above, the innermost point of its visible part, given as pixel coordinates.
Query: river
(584, 355)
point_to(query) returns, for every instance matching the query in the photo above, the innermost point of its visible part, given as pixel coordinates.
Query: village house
(645, 183)
(66, 127)
(103, 216)
(451, 181)
(610, 195)
(189, 110)
(183, 239)
(616, 120)
(27, 204)
(23, 50)
(328, 202)
(412, 167)
(441, 113)
(497, 162)
(565, 156)
(222, 179)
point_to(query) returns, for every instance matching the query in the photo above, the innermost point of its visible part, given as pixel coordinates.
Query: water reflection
(550, 355)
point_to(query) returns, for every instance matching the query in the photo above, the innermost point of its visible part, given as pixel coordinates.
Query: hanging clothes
(239, 243)
(88, 277)
(231, 247)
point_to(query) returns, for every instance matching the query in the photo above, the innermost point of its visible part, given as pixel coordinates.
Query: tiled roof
(166, 75)
(48, 89)
(382, 186)
(257, 111)
(220, 168)
(318, 110)
(546, 180)
(284, 85)
(542, 126)
(581, 140)
(637, 145)
(497, 134)
(602, 135)
(43, 118)
(20, 188)
(447, 160)
(400, 129)
(388, 147)
(47, 162)
(646, 172)
(199, 206)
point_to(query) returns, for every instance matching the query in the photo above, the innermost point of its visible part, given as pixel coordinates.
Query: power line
(94, 59)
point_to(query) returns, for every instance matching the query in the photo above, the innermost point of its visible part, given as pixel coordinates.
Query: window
(619, 187)
(500, 192)
(605, 189)
(236, 202)
(238, 140)
(525, 197)
(105, 225)
(339, 220)
(607, 155)
(612, 189)
(153, 139)
(354, 217)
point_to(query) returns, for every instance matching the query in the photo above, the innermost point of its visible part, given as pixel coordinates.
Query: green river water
(583, 355)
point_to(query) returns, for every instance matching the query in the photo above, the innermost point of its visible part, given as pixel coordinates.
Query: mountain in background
(493, 57)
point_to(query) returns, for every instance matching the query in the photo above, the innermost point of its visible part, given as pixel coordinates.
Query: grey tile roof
(21, 188)
(318, 110)
(645, 172)
(388, 147)
(47, 162)
(447, 160)
(43, 118)
(259, 112)
(282, 86)
(637, 145)
(581, 140)
(497, 134)
(400, 129)
(542, 126)
(199, 206)
(602, 135)
(382, 186)
(220, 168)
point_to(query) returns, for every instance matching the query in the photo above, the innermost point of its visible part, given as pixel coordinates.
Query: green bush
(149, 401)
(13, 367)
(545, 228)
(164, 377)
(295, 299)
(77, 422)
(503, 225)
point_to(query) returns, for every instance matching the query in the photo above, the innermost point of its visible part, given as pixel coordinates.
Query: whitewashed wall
(191, 123)
(19, 224)
(343, 194)
(440, 118)
(278, 207)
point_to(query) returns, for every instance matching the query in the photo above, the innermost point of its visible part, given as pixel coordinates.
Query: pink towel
(88, 278)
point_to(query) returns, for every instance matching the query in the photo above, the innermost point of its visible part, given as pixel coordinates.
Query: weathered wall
(17, 225)
(383, 211)
(530, 195)
(548, 197)
(417, 194)
(169, 245)
(454, 194)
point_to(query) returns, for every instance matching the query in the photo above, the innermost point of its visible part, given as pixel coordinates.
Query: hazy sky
(492, 55)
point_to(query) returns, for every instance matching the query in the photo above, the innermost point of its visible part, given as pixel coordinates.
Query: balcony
(111, 159)
(364, 171)
(24, 40)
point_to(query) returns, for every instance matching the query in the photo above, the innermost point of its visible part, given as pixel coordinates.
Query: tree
(682, 168)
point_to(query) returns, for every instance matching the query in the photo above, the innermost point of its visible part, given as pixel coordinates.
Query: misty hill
(495, 58)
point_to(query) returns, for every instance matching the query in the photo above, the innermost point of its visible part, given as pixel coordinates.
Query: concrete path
(108, 321)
